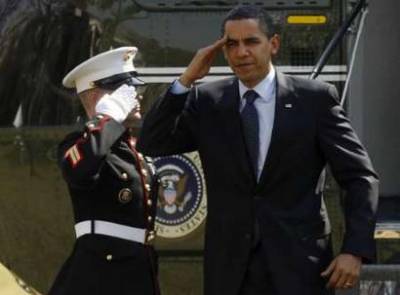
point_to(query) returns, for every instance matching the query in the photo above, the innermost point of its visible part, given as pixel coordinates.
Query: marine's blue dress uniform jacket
(108, 180)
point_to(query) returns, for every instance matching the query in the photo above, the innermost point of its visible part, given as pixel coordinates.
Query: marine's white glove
(118, 104)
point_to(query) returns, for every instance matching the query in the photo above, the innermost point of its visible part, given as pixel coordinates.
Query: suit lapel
(232, 129)
(283, 108)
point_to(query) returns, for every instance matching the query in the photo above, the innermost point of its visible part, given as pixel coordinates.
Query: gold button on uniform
(125, 195)
(147, 187)
(85, 135)
(149, 219)
(109, 257)
(140, 156)
(144, 172)
(151, 235)
(149, 202)
(124, 176)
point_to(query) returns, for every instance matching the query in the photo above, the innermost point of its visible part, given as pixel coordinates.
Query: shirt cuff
(177, 88)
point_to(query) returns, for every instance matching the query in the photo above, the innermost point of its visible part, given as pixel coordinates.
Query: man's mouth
(243, 65)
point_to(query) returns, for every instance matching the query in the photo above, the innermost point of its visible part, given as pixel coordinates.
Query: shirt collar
(265, 89)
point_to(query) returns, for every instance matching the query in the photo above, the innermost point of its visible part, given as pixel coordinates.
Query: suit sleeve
(352, 169)
(82, 155)
(170, 125)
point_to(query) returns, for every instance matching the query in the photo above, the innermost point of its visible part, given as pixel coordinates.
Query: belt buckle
(150, 237)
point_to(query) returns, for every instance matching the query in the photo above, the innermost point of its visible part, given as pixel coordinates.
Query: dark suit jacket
(310, 129)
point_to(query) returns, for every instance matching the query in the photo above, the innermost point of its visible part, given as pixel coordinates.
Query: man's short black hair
(251, 12)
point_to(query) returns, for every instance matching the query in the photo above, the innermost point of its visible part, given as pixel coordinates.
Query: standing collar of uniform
(265, 89)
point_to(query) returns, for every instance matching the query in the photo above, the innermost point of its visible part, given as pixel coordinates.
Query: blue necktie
(250, 127)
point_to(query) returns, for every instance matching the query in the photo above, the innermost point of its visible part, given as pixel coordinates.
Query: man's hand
(134, 117)
(201, 63)
(343, 272)
(118, 104)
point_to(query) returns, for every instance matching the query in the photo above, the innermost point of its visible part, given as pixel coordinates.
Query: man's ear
(95, 96)
(275, 41)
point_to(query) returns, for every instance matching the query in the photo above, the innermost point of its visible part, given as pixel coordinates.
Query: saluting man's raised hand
(201, 63)
(118, 104)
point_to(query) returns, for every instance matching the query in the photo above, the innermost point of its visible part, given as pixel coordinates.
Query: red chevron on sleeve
(73, 155)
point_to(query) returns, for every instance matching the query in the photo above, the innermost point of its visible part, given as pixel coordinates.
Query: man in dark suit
(263, 139)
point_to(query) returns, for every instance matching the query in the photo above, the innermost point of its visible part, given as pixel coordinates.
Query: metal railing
(377, 280)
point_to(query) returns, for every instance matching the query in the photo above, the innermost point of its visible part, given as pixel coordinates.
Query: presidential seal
(181, 195)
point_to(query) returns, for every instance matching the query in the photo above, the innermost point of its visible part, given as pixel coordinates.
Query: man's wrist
(177, 88)
(355, 256)
(185, 81)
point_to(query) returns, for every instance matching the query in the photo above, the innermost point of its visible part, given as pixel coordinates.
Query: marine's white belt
(111, 229)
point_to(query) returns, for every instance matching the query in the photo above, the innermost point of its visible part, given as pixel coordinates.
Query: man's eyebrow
(251, 38)
(229, 39)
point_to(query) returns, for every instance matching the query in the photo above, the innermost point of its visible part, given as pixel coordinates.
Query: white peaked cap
(103, 65)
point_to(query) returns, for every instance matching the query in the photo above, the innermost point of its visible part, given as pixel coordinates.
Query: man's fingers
(209, 57)
(220, 42)
(344, 271)
(334, 278)
(342, 281)
(332, 273)
(212, 49)
(201, 63)
(351, 280)
(330, 268)
(216, 45)
(347, 280)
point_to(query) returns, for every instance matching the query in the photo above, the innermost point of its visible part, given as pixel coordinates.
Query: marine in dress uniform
(112, 186)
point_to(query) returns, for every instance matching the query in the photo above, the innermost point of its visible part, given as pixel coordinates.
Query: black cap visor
(115, 81)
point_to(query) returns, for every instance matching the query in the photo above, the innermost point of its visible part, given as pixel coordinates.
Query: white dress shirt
(265, 105)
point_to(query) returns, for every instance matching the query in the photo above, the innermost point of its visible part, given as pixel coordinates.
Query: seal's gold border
(189, 226)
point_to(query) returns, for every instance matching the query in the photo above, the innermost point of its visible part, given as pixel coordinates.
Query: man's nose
(242, 50)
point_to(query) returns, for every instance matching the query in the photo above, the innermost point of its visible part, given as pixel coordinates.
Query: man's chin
(246, 79)
(241, 77)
